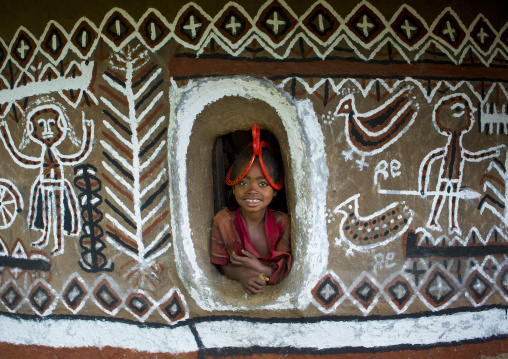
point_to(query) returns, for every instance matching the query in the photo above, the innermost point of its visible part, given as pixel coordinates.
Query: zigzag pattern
(277, 30)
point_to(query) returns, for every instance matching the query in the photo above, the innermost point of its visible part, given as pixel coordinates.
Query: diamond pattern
(365, 24)
(399, 291)
(233, 24)
(409, 28)
(23, 49)
(173, 308)
(322, 23)
(41, 298)
(84, 37)
(365, 292)
(276, 22)
(449, 30)
(328, 291)
(75, 294)
(11, 296)
(153, 30)
(191, 26)
(139, 304)
(106, 297)
(54, 42)
(117, 29)
(483, 35)
(439, 288)
(478, 287)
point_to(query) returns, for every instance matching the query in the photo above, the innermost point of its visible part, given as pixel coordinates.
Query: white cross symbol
(22, 49)
(400, 291)
(440, 288)
(192, 26)
(11, 296)
(275, 22)
(365, 25)
(327, 291)
(408, 29)
(450, 32)
(479, 286)
(482, 35)
(40, 298)
(233, 25)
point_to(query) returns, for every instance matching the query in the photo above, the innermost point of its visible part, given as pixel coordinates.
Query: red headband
(257, 147)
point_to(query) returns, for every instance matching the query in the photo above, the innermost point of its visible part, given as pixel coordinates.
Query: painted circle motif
(8, 206)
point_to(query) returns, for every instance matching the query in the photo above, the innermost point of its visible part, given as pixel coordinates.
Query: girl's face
(253, 193)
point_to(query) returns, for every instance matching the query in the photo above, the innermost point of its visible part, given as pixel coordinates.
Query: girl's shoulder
(224, 215)
(281, 217)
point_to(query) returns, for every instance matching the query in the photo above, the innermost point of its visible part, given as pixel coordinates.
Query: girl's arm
(248, 260)
(248, 278)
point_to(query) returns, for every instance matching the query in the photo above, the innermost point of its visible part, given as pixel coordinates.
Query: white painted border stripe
(236, 333)
(80, 82)
(71, 333)
(367, 334)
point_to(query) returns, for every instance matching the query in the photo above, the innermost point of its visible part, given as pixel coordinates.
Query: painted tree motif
(135, 151)
(495, 186)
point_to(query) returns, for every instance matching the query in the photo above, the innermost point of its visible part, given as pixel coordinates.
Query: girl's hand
(250, 281)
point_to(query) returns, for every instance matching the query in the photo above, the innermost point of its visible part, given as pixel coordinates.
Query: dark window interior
(225, 149)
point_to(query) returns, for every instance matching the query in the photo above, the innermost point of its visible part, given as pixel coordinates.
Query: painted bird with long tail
(371, 132)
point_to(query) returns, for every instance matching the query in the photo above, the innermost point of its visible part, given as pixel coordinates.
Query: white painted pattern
(317, 335)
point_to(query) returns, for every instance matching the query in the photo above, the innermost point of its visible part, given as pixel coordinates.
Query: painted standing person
(452, 117)
(251, 243)
(53, 202)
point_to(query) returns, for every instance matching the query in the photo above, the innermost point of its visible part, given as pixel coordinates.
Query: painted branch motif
(135, 150)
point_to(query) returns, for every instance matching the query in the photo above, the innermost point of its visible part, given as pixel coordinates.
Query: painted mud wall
(392, 123)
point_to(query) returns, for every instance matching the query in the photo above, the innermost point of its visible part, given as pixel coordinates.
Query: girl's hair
(271, 163)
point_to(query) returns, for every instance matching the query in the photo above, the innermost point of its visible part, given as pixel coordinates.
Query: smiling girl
(250, 243)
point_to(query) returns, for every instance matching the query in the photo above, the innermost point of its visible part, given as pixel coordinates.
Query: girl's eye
(242, 183)
(263, 184)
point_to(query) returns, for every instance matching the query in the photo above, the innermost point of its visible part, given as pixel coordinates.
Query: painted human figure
(452, 117)
(53, 201)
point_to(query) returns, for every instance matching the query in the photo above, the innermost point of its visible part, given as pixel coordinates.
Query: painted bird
(371, 132)
(362, 233)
